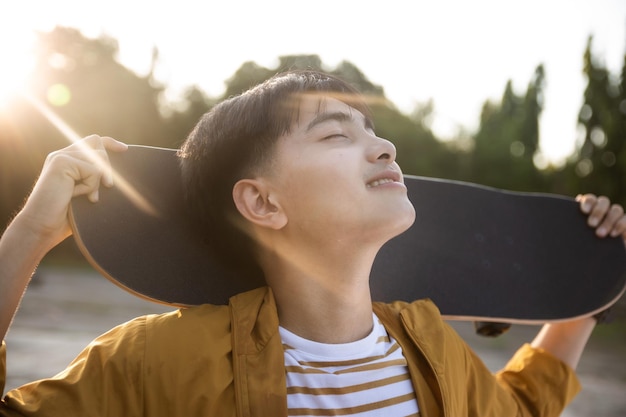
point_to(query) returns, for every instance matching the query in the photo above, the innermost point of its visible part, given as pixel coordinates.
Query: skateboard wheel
(491, 329)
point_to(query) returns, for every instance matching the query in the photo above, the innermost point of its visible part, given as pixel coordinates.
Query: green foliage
(89, 89)
(508, 139)
(600, 163)
(295, 62)
(248, 75)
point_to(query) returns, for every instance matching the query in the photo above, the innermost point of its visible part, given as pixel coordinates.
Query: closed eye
(334, 136)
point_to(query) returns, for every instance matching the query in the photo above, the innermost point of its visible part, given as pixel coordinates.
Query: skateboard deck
(479, 253)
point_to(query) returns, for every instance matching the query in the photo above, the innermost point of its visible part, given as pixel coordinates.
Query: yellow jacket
(228, 361)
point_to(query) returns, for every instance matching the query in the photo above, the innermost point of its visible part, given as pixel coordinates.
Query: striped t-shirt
(365, 378)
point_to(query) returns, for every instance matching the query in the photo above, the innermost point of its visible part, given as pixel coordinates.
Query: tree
(348, 71)
(600, 163)
(508, 139)
(86, 85)
(248, 75)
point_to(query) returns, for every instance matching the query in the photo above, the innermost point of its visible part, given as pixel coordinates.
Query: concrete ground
(64, 310)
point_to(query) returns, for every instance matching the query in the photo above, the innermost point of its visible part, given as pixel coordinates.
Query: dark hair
(235, 140)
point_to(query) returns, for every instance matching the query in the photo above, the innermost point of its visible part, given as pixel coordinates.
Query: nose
(382, 149)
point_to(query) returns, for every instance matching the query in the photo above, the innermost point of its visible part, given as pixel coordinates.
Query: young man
(292, 175)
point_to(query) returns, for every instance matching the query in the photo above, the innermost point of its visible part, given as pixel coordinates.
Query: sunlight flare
(125, 187)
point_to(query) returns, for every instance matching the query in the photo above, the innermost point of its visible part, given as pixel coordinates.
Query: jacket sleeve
(106, 379)
(541, 382)
(533, 383)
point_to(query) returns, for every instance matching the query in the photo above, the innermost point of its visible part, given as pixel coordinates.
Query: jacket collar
(255, 320)
(419, 329)
(258, 360)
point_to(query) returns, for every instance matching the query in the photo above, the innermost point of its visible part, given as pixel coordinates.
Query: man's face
(336, 179)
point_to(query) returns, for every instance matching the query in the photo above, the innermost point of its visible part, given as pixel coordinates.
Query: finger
(112, 145)
(80, 169)
(586, 201)
(615, 213)
(94, 149)
(102, 142)
(598, 211)
(90, 148)
(96, 158)
(619, 228)
(87, 178)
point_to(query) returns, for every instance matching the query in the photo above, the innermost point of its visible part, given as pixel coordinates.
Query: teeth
(379, 182)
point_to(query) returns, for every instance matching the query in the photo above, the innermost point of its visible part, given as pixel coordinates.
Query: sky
(458, 53)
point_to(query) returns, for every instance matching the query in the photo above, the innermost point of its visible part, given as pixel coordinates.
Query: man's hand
(608, 219)
(78, 169)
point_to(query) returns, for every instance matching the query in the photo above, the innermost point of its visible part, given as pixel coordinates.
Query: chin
(408, 221)
(402, 220)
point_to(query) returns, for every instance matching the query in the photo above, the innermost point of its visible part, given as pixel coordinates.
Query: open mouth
(376, 183)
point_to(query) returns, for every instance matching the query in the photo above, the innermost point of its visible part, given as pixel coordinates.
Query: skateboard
(481, 254)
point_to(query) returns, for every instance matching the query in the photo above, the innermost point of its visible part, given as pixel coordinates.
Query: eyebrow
(336, 116)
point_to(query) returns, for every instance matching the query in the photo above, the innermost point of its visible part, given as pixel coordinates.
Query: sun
(16, 55)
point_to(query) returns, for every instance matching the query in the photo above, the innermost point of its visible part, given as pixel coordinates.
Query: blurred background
(523, 95)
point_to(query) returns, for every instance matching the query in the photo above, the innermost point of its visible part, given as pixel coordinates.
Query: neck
(323, 298)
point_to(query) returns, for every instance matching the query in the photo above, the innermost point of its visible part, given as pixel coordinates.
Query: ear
(255, 203)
